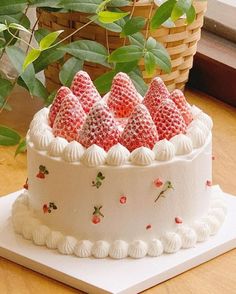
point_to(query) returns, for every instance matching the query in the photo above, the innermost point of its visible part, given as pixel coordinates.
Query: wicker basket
(180, 41)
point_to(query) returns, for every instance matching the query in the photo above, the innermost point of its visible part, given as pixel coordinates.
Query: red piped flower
(148, 227)
(26, 185)
(123, 199)
(178, 220)
(209, 183)
(158, 183)
(96, 219)
(42, 172)
(97, 214)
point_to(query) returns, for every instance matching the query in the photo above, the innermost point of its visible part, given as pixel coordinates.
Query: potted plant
(141, 38)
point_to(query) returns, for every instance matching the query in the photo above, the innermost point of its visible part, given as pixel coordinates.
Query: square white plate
(108, 275)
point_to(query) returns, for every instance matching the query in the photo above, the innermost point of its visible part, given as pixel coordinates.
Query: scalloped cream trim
(26, 224)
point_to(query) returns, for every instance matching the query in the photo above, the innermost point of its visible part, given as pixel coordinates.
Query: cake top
(160, 125)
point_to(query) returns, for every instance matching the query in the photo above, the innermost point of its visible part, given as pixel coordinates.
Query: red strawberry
(158, 183)
(61, 94)
(69, 119)
(179, 99)
(123, 96)
(84, 89)
(96, 219)
(156, 93)
(99, 128)
(40, 175)
(140, 130)
(168, 120)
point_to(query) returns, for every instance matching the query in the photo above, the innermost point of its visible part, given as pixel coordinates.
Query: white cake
(117, 203)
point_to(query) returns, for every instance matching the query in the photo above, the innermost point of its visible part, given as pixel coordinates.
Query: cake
(119, 176)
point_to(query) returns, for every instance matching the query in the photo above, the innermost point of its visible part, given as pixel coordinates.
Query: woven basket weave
(180, 42)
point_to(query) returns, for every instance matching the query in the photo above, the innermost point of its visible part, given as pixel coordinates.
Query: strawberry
(61, 94)
(140, 130)
(123, 96)
(168, 120)
(84, 89)
(156, 93)
(158, 183)
(99, 128)
(69, 119)
(179, 99)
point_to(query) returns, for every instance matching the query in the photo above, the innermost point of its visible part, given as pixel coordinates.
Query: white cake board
(108, 275)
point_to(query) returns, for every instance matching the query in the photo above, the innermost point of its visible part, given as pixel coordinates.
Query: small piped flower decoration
(158, 182)
(123, 199)
(47, 208)
(26, 184)
(178, 220)
(167, 186)
(209, 183)
(97, 214)
(42, 172)
(98, 181)
(148, 227)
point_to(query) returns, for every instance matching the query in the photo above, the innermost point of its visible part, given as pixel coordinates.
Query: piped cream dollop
(188, 236)
(183, 144)
(142, 156)
(164, 150)
(42, 140)
(118, 249)
(36, 127)
(53, 239)
(42, 114)
(138, 249)
(94, 156)
(202, 230)
(40, 234)
(155, 248)
(195, 111)
(73, 152)
(83, 248)
(171, 242)
(200, 125)
(29, 225)
(197, 136)
(206, 119)
(100, 249)
(219, 213)
(213, 223)
(117, 155)
(66, 245)
(57, 146)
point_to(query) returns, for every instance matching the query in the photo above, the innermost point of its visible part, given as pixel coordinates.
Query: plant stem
(32, 32)
(18, 38)
(148, 21)
(8, 97)
(130, 16)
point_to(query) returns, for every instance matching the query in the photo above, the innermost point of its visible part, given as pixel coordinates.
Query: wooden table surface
(214, 277)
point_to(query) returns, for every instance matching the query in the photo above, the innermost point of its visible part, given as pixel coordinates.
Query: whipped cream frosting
(197, 136)
(171, 242)
(195, 111)
(202, 230)
(213, 223)
(66, 245)
(94, 156)
(100, 249)
(57, 146)
(138, 249)
(83, 248)
(155, 248)
(39, 235)
(28, 226)
(117, 155)
(119, 249)
(73, 152)
(53, 239)
(164, 150)
(200, 125)
(43, 139)
(188, 236)
(142, 156)
(42, 114)
(183, 144)
(206, 119)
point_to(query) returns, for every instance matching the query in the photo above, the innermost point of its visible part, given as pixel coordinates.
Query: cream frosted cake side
(122, 200)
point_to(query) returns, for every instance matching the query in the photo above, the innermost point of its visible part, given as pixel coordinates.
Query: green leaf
(12, 6)
(46, 3)
(19, 27)
(5, 89)
(3, 27)
(180, 8)
(50, 98)
(47, 57)
(126, 54)
(40, 34)
(110, 17)
(150, 62)
(8, 137)
(103, 83)
(137, 39)
(190, 14)
(162, 14)
(39, 90)
(118, 3)
(69, 69)
(87, 6)
(31, 57)
(162, 60)
(21, 148)
(48, 40)
(138, 81)
(18, 18)
(113, 27)
(126, 66)
(151, 43)
(133, 25)
(87, 50)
